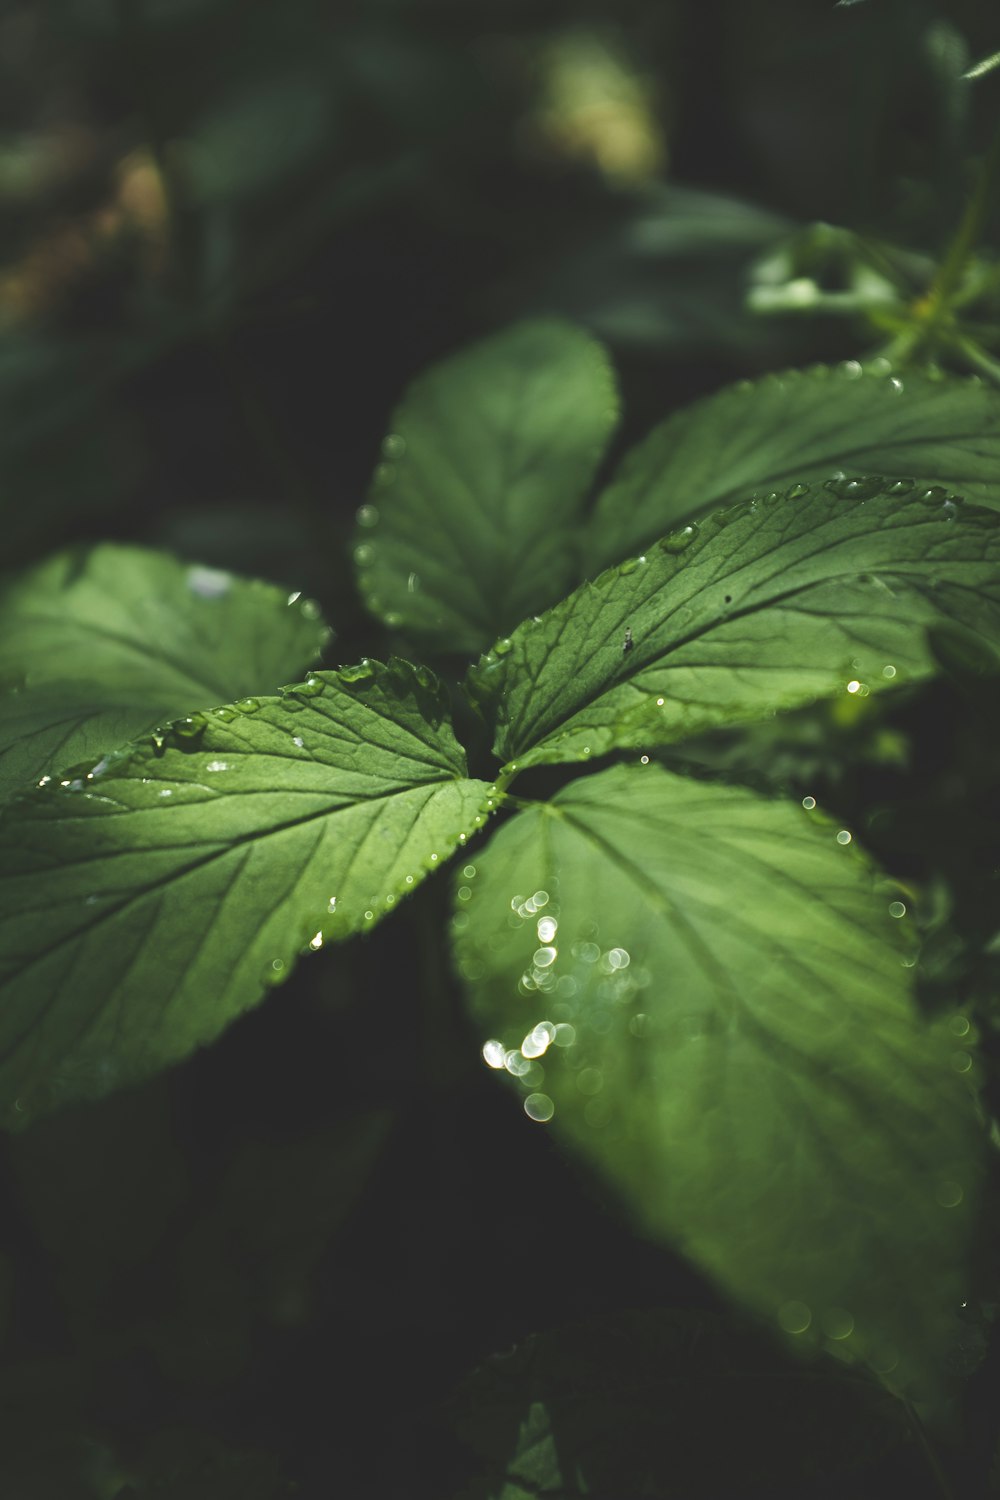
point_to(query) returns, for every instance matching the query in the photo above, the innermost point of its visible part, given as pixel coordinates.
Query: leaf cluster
(705, 990)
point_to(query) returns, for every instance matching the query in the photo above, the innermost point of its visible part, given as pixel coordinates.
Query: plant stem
(980, 361)
(949, 274)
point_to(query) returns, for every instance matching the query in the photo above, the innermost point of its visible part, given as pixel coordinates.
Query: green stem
(506, 775)
(949, 273)
(980, 361)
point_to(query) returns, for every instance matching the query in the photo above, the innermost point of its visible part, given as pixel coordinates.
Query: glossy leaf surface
(762, 607)
(96, 648)
(796, 427)
(708, 995)
(484, 474)
(149, 900)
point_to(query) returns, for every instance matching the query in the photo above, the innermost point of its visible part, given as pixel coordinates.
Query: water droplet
(959, 1025)
(494, 1053)
(660, 702)
(882, 1358)
(503, 645)
(961, 1062)
(794, 1316)
(808, 803)
(933, 495)
(860, 489)
(298, 742)
(331, 905)
(597, 1113)
(949, 1194)
(364, 553)
(538, 1040)
(545, 956)
(850, 369)
(225, 715)
(539, 1107)
(412, 583)
(628, 566)
(895, 385)
(384, 475)
(208, 583)
(367, 516)
(852, 687)
(618, 958)
(361, 671)
(218, 765)
(837, 1323)
(309, 609)
(679, 541)
(190, 728)
(879, 365)
(546, 928)
(897, 909)
(843, 837)
(888, 672)
(644, 760)
(369, 916)
(316, 942)
(469, 871)
(247, 705)
(393, 445)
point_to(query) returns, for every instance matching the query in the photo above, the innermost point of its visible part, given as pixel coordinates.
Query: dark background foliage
(231, 232)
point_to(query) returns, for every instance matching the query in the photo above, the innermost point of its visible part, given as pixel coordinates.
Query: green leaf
(149, 902)
(665, 275)
(619, 1405)
(794, 427)
(761, 607)
(101, 646)
(708, 993)
(473, 511)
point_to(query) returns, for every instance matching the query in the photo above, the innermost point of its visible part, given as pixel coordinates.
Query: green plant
(703, 987)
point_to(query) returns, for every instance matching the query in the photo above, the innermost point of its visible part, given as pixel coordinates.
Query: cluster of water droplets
(368, 520)
(587, 990)
(865, 486)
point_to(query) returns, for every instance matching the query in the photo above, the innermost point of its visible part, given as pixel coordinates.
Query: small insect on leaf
(627, 643)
